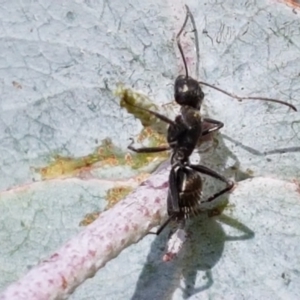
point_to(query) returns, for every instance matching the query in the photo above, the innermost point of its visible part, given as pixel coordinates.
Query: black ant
(185, 182)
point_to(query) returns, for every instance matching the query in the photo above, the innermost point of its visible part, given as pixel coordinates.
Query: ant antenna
(189, 15)
(178, 40)
(196, 40)
(239, 98)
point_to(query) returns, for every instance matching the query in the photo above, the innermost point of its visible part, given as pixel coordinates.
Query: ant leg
(157, 115)
(172, 202)
(248, 98)
(209, 172)
(216, 195)
(173, 194)
(162, 227)
(218, 125)
(147, 149)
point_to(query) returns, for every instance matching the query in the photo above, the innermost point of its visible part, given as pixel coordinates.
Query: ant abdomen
(190, 191)
(187, 91)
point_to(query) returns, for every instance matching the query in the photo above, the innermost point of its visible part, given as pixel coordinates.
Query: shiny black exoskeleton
(187, 91)
(185, 183)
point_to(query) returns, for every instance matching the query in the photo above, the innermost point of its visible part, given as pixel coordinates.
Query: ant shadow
(217, 157)
(204, 246)
(264, 153)
(202, 251)
(205, 243)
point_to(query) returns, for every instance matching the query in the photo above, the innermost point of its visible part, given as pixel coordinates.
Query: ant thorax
(185, 133)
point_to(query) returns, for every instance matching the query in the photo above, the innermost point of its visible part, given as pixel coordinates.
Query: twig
(82, 256)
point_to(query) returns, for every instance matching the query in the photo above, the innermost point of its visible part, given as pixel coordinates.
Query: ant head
(187, 91)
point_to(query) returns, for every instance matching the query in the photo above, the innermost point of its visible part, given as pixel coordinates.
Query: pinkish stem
(82, 256)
